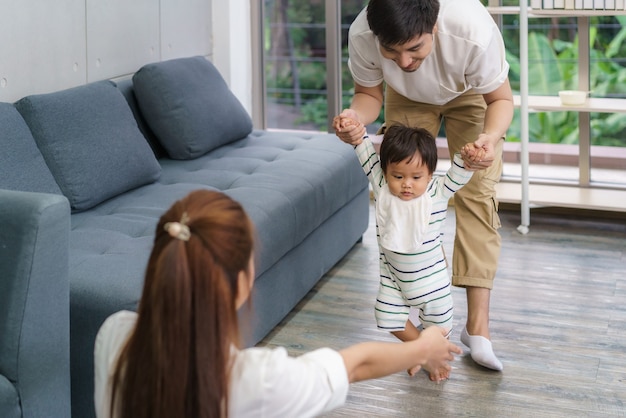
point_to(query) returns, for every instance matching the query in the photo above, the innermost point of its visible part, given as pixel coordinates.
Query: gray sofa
(85, 173)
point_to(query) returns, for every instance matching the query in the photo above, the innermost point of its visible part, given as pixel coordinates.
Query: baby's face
(408, 179)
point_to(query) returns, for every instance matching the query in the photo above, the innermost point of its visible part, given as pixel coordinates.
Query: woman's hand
(438, 352)
(431, 350)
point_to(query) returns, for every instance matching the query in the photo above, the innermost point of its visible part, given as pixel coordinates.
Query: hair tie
(179, 230)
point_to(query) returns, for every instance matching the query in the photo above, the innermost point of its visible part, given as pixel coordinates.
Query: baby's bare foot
(436, 376)
(439, 375)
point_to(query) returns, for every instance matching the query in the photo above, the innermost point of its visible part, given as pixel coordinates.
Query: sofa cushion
(22, 166)
(288, 183)
(126, 87)
(90, 141)
(189, 107)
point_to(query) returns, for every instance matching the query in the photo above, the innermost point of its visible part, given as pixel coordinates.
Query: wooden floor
(558, 324)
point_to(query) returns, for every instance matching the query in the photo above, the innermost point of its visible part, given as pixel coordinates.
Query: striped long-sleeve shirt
(418, 279)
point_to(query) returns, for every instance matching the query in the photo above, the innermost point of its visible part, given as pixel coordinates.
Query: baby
(411, 208)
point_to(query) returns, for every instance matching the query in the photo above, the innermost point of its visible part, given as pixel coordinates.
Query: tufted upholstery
(284, 208)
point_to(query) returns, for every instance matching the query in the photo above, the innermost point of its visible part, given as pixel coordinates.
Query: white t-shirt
(468, 52)
(265, 382)
(402, 224)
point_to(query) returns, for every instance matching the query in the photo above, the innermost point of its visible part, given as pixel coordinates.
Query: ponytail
(177, 360)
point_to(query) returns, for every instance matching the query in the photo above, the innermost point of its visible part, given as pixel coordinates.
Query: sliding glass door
(304, 53)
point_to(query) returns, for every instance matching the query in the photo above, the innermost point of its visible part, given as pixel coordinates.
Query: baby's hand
(348, 127)
(345, 122)
(472, 152)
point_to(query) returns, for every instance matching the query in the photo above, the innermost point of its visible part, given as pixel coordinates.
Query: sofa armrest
(34, 305)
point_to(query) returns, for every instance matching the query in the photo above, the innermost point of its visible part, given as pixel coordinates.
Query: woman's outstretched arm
(371, 360)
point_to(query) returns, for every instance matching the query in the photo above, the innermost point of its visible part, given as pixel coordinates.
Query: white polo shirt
(265, 382)
(468, 52)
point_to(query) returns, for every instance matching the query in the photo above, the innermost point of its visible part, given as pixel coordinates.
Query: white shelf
(592, 104)
(524, 192)
(564, 196)
(514, 10)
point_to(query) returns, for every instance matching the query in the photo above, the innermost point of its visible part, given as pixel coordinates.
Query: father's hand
(479, 154)
(348, 127)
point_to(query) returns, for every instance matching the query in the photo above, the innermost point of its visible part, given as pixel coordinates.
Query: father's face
(410, 55)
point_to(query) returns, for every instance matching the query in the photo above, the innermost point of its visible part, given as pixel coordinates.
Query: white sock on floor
(481, 350)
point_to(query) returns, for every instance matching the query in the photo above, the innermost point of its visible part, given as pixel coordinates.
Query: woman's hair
(177, 362)
(403, 142)
(398, 21)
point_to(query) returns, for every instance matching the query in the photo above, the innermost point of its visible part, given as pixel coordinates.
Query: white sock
(481, 350)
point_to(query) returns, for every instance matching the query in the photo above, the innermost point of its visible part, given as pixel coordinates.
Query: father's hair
(398, 21)
(402, 142)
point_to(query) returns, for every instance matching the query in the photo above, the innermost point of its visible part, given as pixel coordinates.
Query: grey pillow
(90, 141)
(189, 107)
(21, 164)
(126, 87)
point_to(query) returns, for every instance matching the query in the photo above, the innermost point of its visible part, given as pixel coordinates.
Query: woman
(179, 355)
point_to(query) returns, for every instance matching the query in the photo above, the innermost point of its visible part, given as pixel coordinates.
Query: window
(296, 61)
(575, 148)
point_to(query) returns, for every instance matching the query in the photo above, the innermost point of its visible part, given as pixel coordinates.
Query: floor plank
(558, 323)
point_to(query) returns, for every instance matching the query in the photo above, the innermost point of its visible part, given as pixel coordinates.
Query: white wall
(52, 45)
(232, 46)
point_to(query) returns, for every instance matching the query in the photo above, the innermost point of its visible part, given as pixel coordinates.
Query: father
(442, 61)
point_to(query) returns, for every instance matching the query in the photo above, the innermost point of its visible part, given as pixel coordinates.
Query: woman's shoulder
(110, 339)
(114, 332)
(120, 319)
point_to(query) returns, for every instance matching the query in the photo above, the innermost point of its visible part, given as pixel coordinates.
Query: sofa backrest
(22, 166)
(96, 141)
